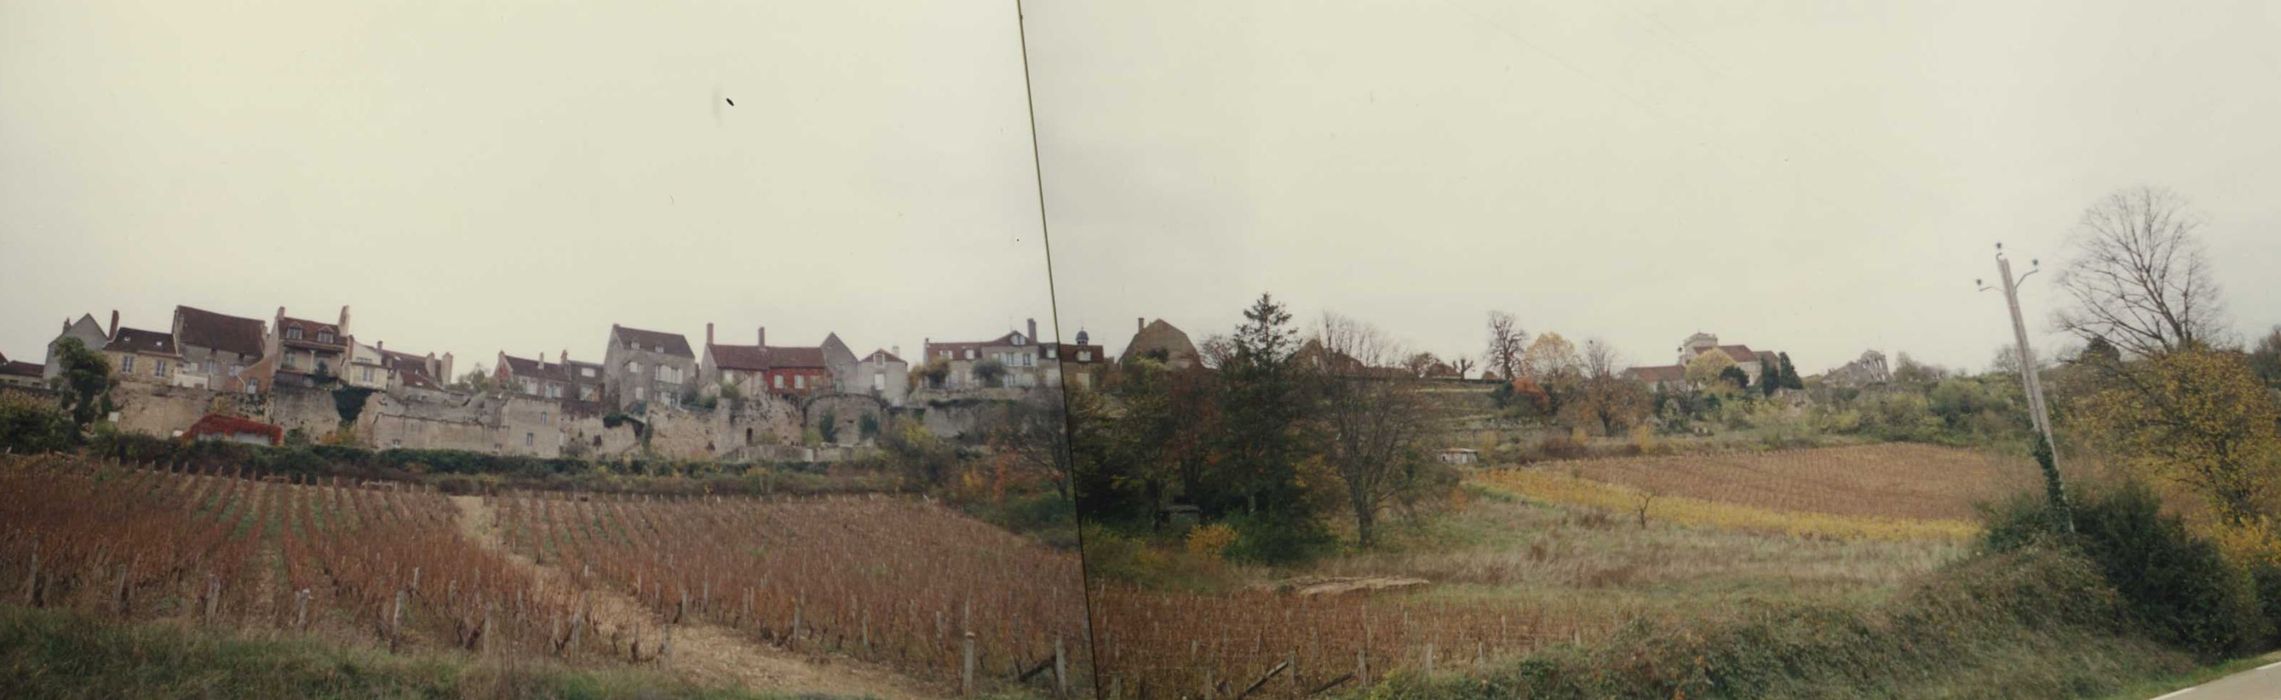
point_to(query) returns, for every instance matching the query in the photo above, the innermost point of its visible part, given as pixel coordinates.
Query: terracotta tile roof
(205, 329)
(654, 341)
(1740, 353)
(755, 358)
(22, 369)
(221, 425)
(309, 333)
(534, 369)
(136, 340)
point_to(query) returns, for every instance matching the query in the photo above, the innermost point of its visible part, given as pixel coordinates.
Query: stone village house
(641, 366)
(1027, 362)
(220, 348)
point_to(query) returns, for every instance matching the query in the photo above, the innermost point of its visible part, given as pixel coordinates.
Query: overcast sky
(1815, 177)
(472, 176)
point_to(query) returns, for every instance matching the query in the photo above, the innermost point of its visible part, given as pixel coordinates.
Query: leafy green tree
(991, 372)
(85, 382)
(1769, 379)
(32, 425)
(2199, 418)
(828, 427)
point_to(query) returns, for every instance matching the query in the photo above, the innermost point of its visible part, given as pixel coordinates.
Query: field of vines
(221, 548)
(890, 580)
(1172, 645)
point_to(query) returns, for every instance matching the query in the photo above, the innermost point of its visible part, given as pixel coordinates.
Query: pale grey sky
(472, 176)
(1814, 177)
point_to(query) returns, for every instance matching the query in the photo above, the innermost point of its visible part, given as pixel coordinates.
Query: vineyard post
(1297, 685)
(1362, 667)
(484, 641)
(122, 592)
(1060, 668)
(966, 668)
(1429, 658)
(415, 579)
(32, 580)
(301, 609)
(396, 621)
(213, 596)
(665, 645)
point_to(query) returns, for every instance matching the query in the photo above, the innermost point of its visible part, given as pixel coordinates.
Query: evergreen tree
(1790, 378)
(1769, 379)
(86, 382)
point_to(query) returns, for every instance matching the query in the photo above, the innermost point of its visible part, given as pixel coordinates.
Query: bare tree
(1216, 351)
(1421, 364)
(2139, 277)
(1374, 423)
(1507, 342)
(1600, 359)
(1463, 365)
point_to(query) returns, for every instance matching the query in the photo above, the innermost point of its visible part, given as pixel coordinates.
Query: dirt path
(701, 652)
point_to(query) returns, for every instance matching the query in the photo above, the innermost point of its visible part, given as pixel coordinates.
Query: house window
(530, 439)
(878, 381)
(779, 381)
(634, 368)
(543, 417)
(368, 374)
(210, 367)
(800, 381)
(325, 337)
(970, 353)
(587, 372)
(1084, 356)
(1052, 352)
(235, 369)
(126, 364)
(293, 333)
(158, 368)
(1017, 338)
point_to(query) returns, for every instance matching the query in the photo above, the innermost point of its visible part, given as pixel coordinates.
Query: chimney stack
(1140, 323)
(114, 332)
(708, 334)
(565, 357)
(1033, 330)
(344, 323)
(896, 350)
(763, 337)
(446, 367)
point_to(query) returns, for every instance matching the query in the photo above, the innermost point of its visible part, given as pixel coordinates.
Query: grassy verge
(60, 654)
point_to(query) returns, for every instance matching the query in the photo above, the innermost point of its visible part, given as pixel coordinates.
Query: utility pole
(2030, 379)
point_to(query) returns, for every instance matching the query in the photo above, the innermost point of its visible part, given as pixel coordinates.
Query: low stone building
(789, 371)
(1868, 370)
(21, 375)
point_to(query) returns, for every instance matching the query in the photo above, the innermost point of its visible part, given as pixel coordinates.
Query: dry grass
(1893, 480)
(1509, 576)
(1644, 505)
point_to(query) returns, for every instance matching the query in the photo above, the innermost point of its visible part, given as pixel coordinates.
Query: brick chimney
(344, 323)
(1140, 323)
(446, 367)
(114, 331)
(708, 334)
(566, 357)
(763, 337)
(1033, 330)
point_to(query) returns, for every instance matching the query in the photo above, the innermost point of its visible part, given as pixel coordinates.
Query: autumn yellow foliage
(1568, 490)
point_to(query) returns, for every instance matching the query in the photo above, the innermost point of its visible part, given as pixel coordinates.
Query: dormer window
(293, 333)
(1017, 338)
(324, 336)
